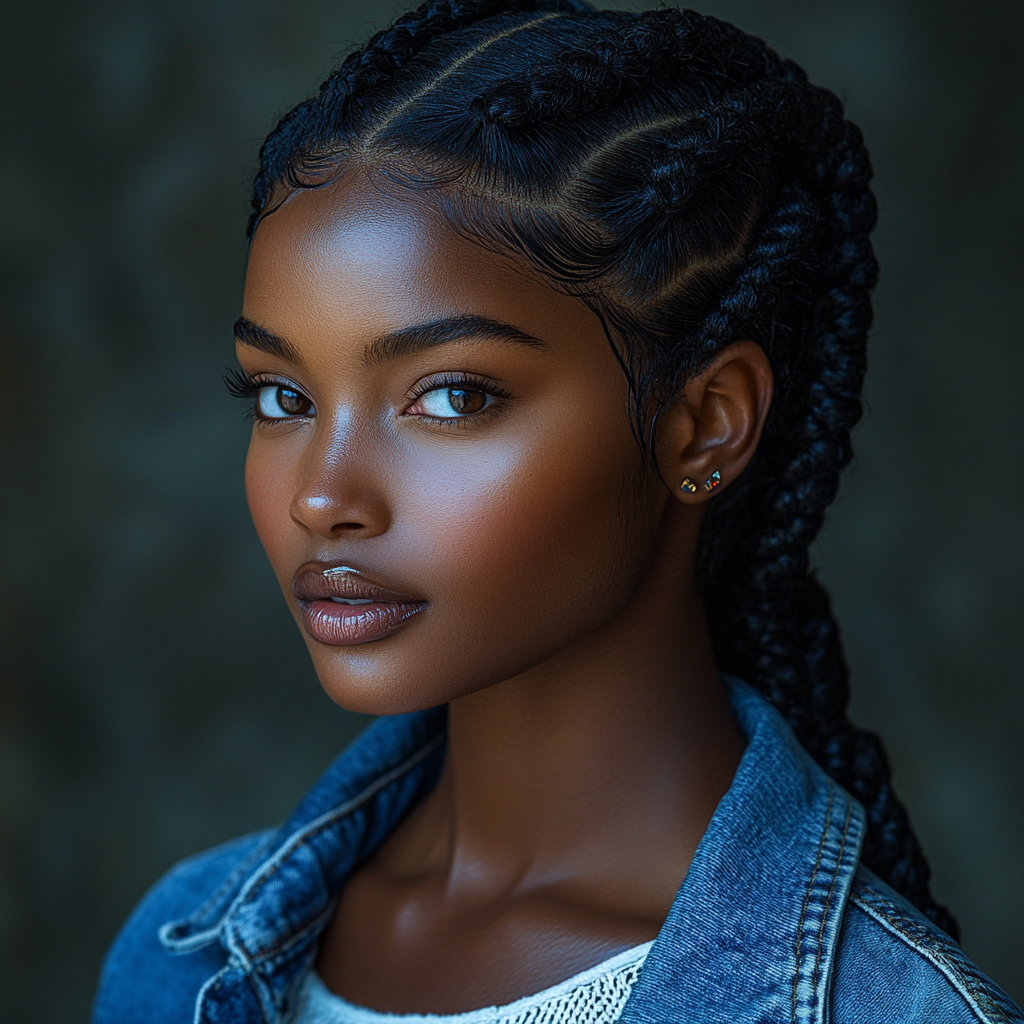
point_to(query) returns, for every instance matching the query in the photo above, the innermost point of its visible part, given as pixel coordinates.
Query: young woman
(554, 331)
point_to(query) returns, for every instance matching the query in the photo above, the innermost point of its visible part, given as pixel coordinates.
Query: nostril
(340, 515)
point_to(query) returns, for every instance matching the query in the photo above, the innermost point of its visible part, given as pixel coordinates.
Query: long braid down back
(693, 188)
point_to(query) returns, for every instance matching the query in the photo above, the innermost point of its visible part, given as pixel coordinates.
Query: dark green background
(157, 698)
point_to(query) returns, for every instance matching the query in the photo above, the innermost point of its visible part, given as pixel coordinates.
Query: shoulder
(142, 979)
(895, 965)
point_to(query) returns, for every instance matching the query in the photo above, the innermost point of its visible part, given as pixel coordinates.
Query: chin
(359, 682)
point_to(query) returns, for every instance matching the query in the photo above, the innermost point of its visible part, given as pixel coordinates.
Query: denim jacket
(776, 920)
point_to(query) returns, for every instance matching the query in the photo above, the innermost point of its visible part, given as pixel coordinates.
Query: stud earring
(713, 481)
(689, 486)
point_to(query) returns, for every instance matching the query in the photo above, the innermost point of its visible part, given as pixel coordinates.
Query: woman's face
(442, 470)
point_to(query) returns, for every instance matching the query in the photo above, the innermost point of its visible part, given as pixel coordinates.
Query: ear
(715, 424)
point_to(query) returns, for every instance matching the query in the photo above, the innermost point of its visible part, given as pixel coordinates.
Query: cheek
(522, 547)
(539, 550)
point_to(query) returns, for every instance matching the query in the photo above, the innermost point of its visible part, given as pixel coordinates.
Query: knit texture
(596, 996)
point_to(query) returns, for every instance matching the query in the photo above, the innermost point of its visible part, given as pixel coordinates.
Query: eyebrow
(249, 333)
(416, 338)
(420, 337)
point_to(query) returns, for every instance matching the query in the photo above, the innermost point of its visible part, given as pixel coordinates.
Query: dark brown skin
(590, 738)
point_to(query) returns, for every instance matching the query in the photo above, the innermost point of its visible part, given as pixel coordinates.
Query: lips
(341, 607)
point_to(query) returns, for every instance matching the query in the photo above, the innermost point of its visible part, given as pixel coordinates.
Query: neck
(618, 748)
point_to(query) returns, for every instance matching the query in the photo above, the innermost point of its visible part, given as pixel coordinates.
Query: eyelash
(471, 381)
(241, 384)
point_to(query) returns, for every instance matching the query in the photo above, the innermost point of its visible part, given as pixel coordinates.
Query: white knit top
(595, 996)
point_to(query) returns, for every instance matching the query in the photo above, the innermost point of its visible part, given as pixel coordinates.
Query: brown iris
(292, 402)
(464, 401)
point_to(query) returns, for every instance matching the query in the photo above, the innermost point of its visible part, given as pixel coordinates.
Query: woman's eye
(278, 402)
(451, 403)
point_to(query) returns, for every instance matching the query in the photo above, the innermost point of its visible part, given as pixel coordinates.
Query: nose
(341, 493)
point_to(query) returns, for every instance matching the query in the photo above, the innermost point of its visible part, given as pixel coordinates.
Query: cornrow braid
(754, 292)
(694, 189)
(373, 65)
(815, 699)
(649, 50)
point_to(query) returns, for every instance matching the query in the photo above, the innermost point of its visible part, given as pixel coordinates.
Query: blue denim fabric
(775, 922)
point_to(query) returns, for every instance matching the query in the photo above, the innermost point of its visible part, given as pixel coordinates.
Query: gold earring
(713, 481)
(689, 486)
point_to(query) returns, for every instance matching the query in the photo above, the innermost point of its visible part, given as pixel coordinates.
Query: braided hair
(692, 188)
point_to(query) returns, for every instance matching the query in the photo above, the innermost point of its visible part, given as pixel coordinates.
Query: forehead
(352, 257)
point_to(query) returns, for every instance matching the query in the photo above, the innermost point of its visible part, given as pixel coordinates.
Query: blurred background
(157, 698)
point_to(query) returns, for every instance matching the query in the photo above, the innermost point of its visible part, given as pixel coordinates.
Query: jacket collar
(751, 934)
(269, 913)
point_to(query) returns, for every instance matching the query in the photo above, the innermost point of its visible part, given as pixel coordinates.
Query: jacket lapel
(751, 935)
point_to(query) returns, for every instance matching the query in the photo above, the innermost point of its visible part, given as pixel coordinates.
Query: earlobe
(707, 438)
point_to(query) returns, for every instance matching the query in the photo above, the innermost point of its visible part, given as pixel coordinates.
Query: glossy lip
(321, 587)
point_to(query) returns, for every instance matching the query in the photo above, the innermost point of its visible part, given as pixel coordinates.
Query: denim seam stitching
(211, 985)
(203, 937)
(807, 900)
(256, 984)
(231, 880)
(816, 973)
(866, 901)
(278, 954)
(266, 969)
